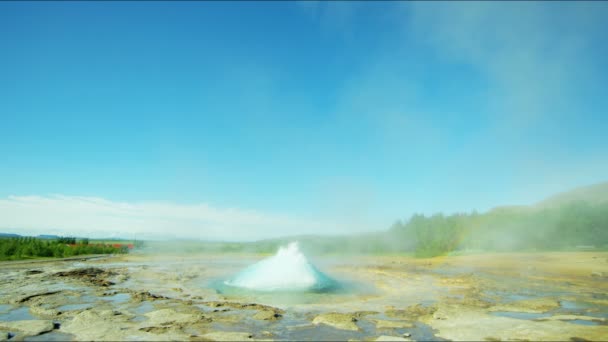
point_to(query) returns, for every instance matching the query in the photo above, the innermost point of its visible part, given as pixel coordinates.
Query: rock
(439, 315)
(31, 272)
(109, 313)
(381, 324)
(537, 305)
(168, 316)
(121, 278)
(572, 318)
(472, 324)
(91, 325)
(28, 327)
(360, 314)
(411, 312)
(214, 304)
(156, 330)
(267, 315)
(81, 272)
(337, 320)
(91, 274)
(41, 311)
(227, 336)
(146, 296)
(27, 298)
(248, 306)
(391, 338)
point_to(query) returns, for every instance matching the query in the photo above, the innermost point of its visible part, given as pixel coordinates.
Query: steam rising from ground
(287, 270)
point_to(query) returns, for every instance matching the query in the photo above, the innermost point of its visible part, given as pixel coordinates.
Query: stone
(381, 324)
(267, 315)
(536, 305)
(146, 296)
(572, 318)
(28, 297)
(168, 316)
(93, 275)
(32, 272)
(391, 338)
(472, 324)
(411, 312)
(337, 320)
(41, 311)
(227, 336)
(90, 325)
(28, 327)
(360, 314)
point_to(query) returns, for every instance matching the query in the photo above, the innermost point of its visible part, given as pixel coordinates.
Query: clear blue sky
(359, 113)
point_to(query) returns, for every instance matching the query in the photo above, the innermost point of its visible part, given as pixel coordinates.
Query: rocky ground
(541, 296)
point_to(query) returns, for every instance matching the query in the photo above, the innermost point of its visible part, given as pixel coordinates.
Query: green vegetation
(575, 220)
(576, 225)
(15, 248)
(570, 226)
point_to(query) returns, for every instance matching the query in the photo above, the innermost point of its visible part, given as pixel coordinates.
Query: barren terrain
(539, 296)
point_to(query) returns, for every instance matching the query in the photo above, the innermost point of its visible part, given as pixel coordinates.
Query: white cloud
(98, 217)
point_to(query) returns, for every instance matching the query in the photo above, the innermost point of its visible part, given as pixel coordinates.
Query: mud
(540, 296)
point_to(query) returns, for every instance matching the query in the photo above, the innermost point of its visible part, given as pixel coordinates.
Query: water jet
(287, 271)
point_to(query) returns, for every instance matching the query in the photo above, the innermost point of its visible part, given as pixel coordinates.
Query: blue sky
(310, 116)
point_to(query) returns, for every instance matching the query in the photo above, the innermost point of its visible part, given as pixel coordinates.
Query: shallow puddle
(144, 308)
(584, 322)
(117, 298)
(520, 315)
(18, 314)
(571, 305)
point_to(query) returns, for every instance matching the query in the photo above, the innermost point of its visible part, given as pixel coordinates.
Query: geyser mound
(287, 270)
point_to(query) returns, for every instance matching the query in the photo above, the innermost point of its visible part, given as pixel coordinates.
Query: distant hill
(55, 237)
(9, 235)
(46, 236)
(593, 194)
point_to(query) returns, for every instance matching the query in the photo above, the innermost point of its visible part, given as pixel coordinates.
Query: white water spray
(288, 270)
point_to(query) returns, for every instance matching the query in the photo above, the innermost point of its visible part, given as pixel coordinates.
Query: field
(139, 296)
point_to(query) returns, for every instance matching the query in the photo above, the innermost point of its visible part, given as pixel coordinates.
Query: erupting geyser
(288, 270)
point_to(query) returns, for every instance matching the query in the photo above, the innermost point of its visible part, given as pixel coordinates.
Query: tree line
(30, 247)
(574, 225)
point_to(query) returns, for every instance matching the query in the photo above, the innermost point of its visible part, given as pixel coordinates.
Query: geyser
(287, 270)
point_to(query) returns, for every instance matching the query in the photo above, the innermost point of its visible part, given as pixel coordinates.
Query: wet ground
(541, 296)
